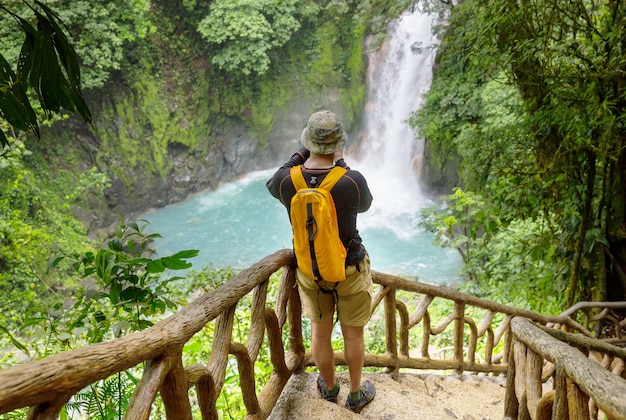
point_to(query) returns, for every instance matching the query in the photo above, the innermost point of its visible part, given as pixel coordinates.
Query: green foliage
(124, 290)
(327, 52)
(502, 255)
(128, 287)
(105, 399)
(19, 414)
(354, 93)
(100, 31)
(532, 106)
(272, 94)
(104, 29)
(35, 223)
(464, 217)
(49, 65)
(203, 281)
(90, 180)
(522, 256)
(453, 103)
(494, 145)
(246, 30)
(146, 127)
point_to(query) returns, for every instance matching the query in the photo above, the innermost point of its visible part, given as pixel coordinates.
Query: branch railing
(46, 385)
(406, 309)
(582, 387)
(493, 330)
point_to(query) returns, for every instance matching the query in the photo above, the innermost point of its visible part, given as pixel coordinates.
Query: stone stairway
(408, 396)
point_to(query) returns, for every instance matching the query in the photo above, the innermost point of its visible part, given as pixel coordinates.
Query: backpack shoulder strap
(333, 176)
(329, 181)
(297, 178)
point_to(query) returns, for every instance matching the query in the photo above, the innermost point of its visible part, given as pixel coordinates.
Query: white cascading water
(391, 155)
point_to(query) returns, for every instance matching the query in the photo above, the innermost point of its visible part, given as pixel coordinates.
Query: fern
(106, 399)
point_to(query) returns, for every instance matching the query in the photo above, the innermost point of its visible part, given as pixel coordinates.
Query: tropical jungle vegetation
(528, 101)
(124, 67)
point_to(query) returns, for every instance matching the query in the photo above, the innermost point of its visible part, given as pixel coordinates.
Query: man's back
(350, 194)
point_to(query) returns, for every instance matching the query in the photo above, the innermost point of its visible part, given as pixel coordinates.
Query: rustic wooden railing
(492, 331)
(584, 376)
(407, 314)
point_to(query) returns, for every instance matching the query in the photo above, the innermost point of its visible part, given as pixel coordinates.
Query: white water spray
(391, 156)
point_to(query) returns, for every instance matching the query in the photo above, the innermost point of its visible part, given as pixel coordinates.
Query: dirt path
(409, 396)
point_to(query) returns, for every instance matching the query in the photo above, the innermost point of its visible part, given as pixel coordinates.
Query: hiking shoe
(367, 395)
(325, 392)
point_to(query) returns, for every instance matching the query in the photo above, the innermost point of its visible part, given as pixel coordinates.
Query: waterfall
(391, 156)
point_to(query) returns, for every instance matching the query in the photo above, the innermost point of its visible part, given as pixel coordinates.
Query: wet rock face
(227, 151)
(227, 154)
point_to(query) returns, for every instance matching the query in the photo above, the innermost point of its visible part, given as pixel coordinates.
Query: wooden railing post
(391, 330)
(153, 376)
(275, 342)
(473, 341)
(559, 409)
(294, 309)
(577, 402)
(220, 350)
(207, 395)
(459, 327)
(404, 328)
(174, 391)
(519, 353)
(534, 364)
(511, 404)
(246, 377)
(504, 332)
(426, 336)
(257, 320)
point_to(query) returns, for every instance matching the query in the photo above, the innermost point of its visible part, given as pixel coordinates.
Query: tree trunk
(575, 290)
(616, 227)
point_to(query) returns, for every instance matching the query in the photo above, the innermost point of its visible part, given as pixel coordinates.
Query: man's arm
(297, 158)
(365, 195)
(274, 183)
(339, 161)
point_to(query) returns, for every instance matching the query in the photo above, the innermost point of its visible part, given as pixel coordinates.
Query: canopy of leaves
(245, 31)
(100, 32)
(40, 51)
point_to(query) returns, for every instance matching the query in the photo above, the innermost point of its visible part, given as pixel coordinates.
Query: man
(323, 139)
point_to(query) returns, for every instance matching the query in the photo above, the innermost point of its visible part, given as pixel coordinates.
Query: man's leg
(355, 354)
(322, 350)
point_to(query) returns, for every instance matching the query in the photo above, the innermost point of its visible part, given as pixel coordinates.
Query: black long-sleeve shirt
(350, 194)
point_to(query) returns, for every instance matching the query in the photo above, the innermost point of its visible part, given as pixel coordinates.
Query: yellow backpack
(320, 254)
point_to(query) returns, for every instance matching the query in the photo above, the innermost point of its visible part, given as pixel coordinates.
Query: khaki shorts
(354, 296)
